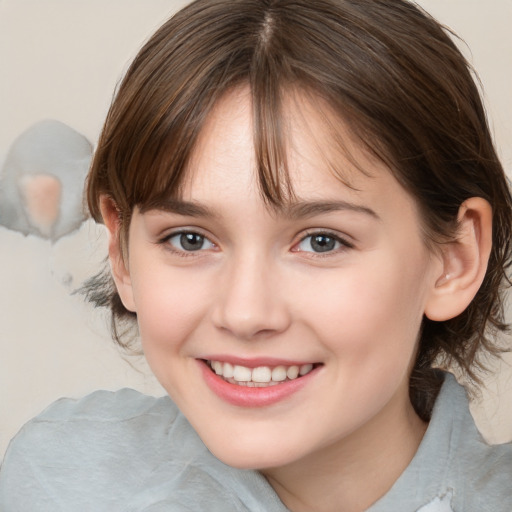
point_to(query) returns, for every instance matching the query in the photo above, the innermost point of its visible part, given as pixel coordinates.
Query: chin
(248, 460)
(250, 455)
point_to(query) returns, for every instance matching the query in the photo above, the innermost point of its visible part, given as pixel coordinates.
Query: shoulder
(77, 448)
(121, 451)
(69, 424)
(481, 463)
(477, 474)
(100, 415)
(483, 471)
(105, 406)
(454, 469)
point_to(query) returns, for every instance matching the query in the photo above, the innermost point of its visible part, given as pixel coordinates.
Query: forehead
(323, 157)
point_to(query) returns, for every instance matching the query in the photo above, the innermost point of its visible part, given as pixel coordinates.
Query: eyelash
(165, 241)
(343, 243)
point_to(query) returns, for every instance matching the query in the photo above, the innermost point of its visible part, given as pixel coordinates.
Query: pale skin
(340, 279)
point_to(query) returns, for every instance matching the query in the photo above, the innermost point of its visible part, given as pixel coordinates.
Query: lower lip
(243, 396)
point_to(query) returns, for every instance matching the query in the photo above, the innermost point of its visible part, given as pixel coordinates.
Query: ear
(464, 262)
(117, 256)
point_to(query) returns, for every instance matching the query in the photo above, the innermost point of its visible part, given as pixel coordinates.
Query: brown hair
(385, 66)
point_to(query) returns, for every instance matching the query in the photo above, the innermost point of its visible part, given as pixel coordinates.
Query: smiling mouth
(261, 376)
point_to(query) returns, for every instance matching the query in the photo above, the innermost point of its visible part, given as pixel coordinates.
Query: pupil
(191, 241)
(322, 243)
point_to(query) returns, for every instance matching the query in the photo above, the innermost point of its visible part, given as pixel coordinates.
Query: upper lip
(255, 362)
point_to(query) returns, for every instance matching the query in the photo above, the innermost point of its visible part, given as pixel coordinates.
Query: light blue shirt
(125, 451)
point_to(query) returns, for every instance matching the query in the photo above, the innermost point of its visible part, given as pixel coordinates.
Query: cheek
(170, 305)
(375, 308)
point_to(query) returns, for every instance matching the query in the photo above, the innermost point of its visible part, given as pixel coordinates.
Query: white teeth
(279, 374)
(305, 368)
(217, 367)
(260, 376)
(242, 374)
(229, 370)
(292, 372)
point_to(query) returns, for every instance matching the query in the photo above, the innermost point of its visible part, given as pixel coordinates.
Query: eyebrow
(295, 210)
(180, 207)
(306, 209)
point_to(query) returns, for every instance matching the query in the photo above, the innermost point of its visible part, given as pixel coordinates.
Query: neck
(355, 472)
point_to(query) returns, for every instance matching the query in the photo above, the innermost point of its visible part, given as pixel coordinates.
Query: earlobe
(117, 256)
(464, 262)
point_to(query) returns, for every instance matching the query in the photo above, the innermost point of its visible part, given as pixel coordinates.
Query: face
(281, 334)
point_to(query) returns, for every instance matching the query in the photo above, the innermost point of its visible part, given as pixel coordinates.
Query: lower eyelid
(342, 242)
(166, 240)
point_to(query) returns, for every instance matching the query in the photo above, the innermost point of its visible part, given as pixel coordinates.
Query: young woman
(306, 215)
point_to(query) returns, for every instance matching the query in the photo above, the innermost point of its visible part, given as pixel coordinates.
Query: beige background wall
(61, 59)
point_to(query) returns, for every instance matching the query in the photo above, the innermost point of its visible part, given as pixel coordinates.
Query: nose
(251, 302)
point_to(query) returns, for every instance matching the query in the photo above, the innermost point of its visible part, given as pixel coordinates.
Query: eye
(188, 241)
(321, 243)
